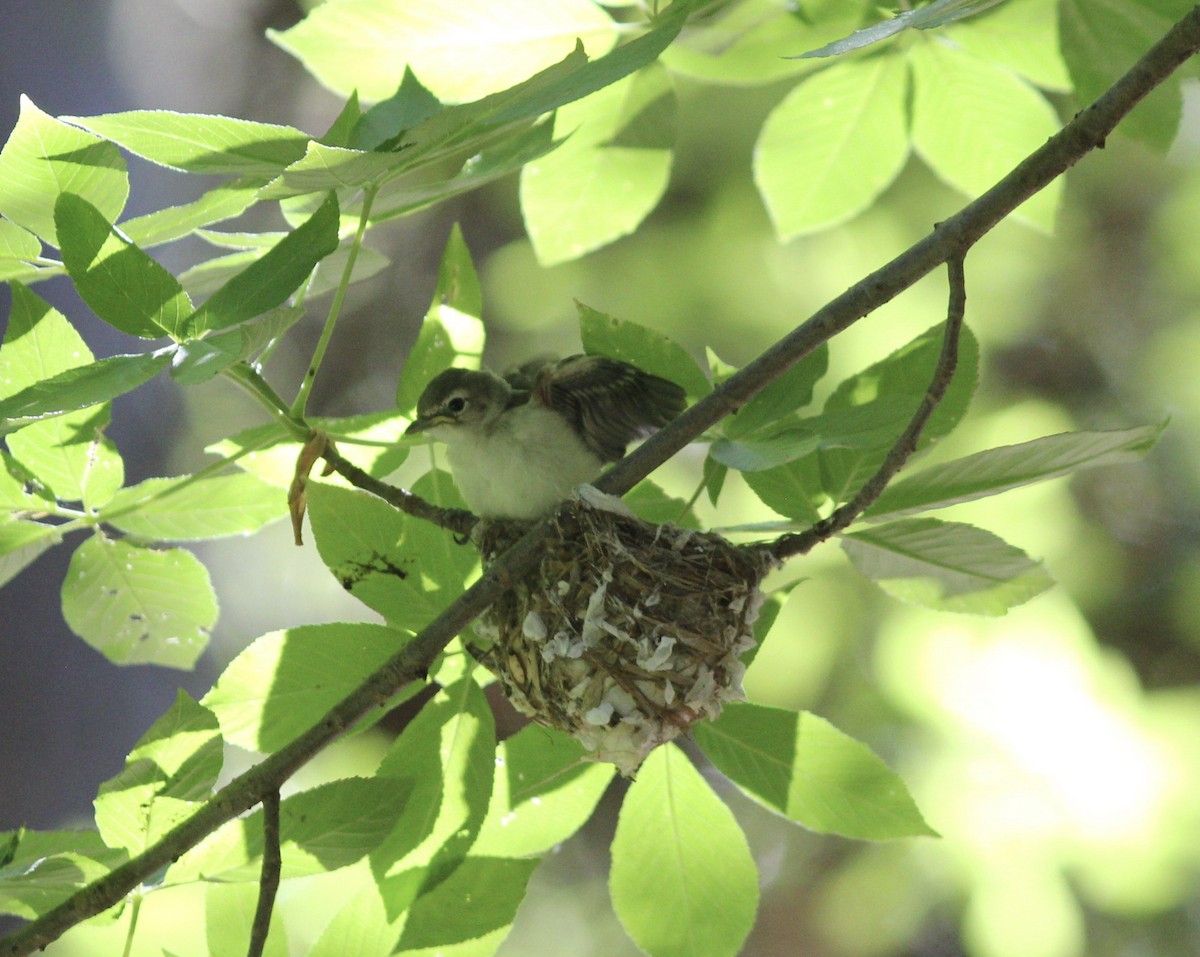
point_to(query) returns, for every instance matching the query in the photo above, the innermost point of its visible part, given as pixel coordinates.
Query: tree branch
(268, 883)
(789, 545)
(950, 239)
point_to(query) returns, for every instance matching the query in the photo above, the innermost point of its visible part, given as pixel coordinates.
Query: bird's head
(458, 402)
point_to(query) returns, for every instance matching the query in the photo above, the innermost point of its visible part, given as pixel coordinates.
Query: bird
(518, 444)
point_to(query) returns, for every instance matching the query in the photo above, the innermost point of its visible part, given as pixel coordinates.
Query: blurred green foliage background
(1055, 748)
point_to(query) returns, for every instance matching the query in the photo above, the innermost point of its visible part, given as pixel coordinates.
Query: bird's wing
(609, 403)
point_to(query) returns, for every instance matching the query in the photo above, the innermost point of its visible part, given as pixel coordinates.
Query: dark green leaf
(267, 282)
(790, 392)
(200, 359)
(757, 453)
(645, 348)
(125, 287)
(41, 869)
(20, 545)
(931, 15)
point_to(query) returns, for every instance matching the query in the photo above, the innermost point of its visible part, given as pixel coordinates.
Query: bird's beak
(418, 425)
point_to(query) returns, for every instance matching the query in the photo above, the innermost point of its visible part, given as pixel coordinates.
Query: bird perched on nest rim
(518, 444)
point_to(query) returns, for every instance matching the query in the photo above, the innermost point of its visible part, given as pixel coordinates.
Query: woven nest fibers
(626, 633)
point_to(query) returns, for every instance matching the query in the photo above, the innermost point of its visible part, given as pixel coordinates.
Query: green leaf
(363, 540)
(651, 504)
(1021, 37)
(44, 158)
(459, 50)
(285, 681)
(544, 791)
(794, 489)
(68, 454)
(124, 286)
(268, 281)
(998, 470)
(218, 204)
(378, 128)
(448, 751)
(682, 880)
(479, 898)
(452, 326)
(18, 248)
(834, 144)
(757, 453)
(801, 766)
(946, 565)
(650, 351)
(198, 143)
(229, 911)
(189, 509)
(868, 411)
(359, 929)
(200, 359)
(335, 167)
(791, 391)
(1101, 39)
(169, 772)
(138, 606)
(931, 15)
(80, 388)
(321, 829)
(609, 173)
(41, 869)
(20, 545)
(974, 121)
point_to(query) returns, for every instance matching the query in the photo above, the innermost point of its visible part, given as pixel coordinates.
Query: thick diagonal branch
(951, 239)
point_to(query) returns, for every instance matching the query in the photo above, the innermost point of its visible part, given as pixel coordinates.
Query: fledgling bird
(518, 444)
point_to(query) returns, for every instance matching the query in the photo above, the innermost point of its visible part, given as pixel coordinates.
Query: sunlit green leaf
(833, 145)
(946, 565)
(682, 880)
(285, 681)
(183, 509)
(200, 359)
(543, 793)
(69, 453)
(229, 911)
(804, 768)
(218, 204)
(139, 606)
(20, 545)
(18, 248)
(998, 470)
(1021, 37)
(44, 158)
(199, 143)
(459, 50)
(608, 175)
(125, 287)
(321, 829)
(80, 388)
(449, 753)
(359, 929)
(974, 121)
(452, 328)
(171, 769)
(1101, 40)
(43, 868)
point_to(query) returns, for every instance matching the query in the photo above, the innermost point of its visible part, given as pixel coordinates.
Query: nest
(626, 633)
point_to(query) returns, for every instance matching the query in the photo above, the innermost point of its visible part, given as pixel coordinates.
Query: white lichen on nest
(626, 633)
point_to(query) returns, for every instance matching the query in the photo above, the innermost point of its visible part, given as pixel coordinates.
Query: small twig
(268, 883)
(457, 520)
(788, 545)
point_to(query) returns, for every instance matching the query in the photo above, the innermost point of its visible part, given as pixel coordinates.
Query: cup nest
(626, 633)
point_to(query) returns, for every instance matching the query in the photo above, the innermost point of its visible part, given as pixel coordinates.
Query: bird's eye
(457, 404)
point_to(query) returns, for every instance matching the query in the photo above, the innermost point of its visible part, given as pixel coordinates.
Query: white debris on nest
(627, 633)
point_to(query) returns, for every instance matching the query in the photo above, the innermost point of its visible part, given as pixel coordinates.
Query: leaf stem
(268, 883)
(300, 405)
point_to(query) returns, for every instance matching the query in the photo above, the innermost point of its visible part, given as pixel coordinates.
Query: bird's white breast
(521, 466)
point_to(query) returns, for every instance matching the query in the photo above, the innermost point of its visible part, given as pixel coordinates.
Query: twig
(268, 883)
(788, 545)
(457, 520)
(951, 239)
